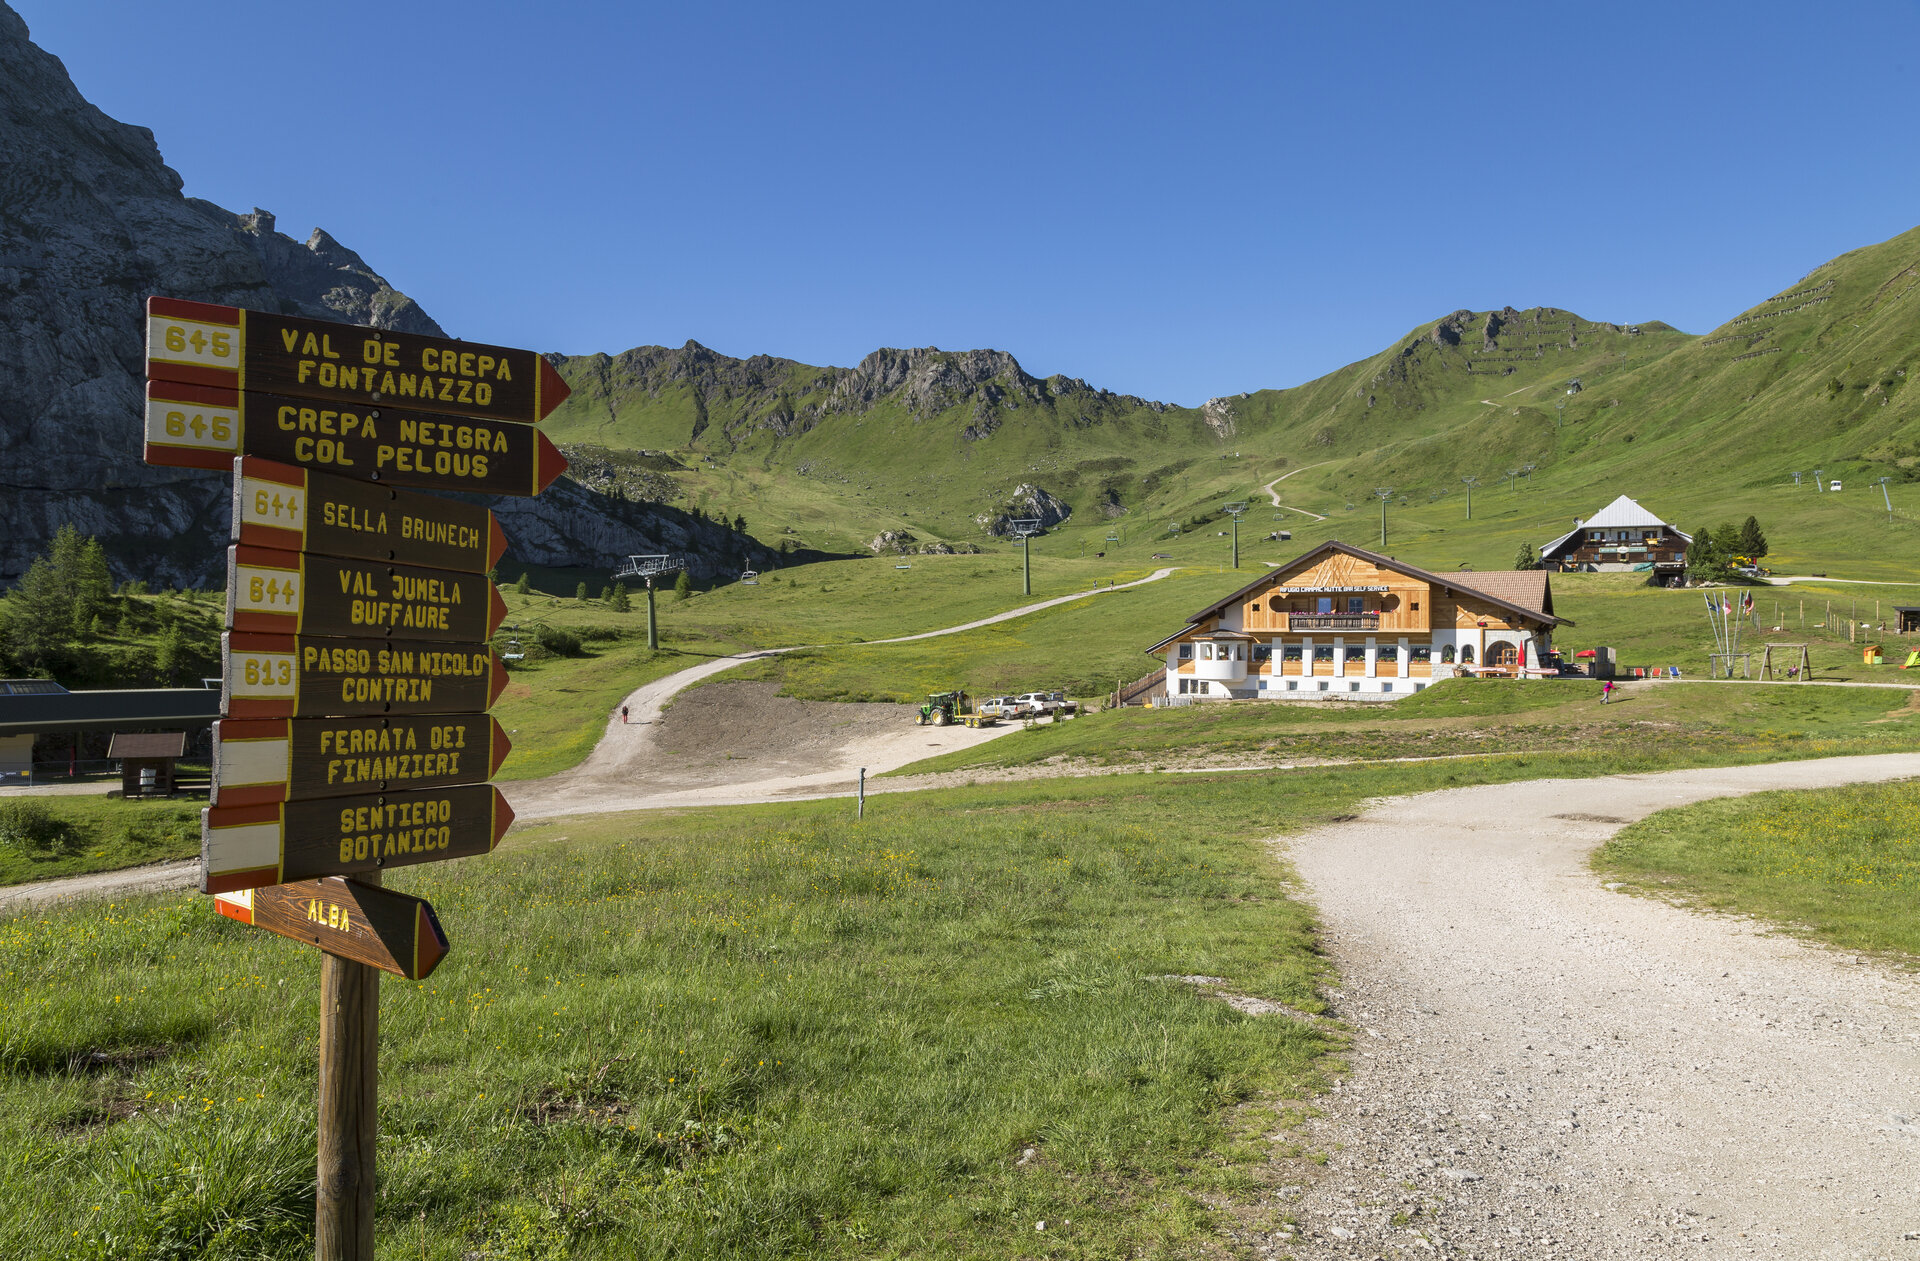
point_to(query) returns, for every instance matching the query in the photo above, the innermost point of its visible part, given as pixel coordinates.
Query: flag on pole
(1726, 606)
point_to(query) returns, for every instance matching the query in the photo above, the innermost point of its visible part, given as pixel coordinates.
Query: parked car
(1061, 705)
(998, 706)
(1038, 702)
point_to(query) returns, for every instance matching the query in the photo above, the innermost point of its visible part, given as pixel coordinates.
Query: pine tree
(1753, 544)
(580, 593)
(523, 586)
(739, 524)
(1526, 558)
(617, 599)
(606, 595)
(682, 586)
(93, 584)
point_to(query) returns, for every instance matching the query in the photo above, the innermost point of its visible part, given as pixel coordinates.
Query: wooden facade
(1623, 536)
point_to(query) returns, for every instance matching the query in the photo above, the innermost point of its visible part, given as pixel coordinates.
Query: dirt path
(733, 747)
(1544, 1068)
(1275, 495)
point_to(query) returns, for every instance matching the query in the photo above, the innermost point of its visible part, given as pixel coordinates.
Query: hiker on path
(1606, 691)
(623, 713)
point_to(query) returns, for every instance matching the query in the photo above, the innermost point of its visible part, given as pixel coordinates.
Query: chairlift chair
(903, 566)
(513, 652)
(749, 578)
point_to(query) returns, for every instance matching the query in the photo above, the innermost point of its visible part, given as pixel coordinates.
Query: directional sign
(256, 761)
(289, 593)
(248, 847)
(280, 506)
(200, 344)
(198, 426)
(284, 676)
(391, 931)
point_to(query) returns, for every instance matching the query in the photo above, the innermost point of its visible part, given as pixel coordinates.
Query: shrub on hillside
(561, 643)
(29, 826)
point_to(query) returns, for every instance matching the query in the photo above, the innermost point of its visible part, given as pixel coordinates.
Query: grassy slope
(1677, 421)
(1839, 864)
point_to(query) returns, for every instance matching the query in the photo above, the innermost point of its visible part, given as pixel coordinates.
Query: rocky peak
(1027, 502)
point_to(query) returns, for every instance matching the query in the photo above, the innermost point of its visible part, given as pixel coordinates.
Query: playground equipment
(1802, 672)
(942, 708)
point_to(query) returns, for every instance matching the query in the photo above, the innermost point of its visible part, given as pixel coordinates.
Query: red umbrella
(1584, 652)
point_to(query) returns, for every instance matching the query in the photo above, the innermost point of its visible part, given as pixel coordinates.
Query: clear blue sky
(1172, 200)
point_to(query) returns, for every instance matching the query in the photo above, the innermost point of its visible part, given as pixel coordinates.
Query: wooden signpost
(262, 761)
(357, 673)
(248, 847)
(199, 426)
(365, 923)
(291, 509)
(286, 676)
(198, 343)
(299, 593)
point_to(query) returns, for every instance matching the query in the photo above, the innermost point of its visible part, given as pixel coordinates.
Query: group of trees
(66, 621)
(1714, 554)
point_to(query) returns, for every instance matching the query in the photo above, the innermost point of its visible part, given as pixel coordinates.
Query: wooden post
(861, 809)
(349, 1125)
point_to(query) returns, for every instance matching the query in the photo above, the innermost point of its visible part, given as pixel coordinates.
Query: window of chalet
(1466, 654)
(1356, 604)
(1186, 652)
(1323, 652)
(1423, 652)
(1388, 652)
(1263, 652)
(1206, 652)
(1290, 652)
(1446, 655)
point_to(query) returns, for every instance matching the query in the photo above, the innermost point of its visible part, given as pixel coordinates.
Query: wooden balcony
(1305, 622)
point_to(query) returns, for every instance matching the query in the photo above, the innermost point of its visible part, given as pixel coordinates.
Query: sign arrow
(248, 847)
(296, 510)
(198, 343)
(287, 676)
(390, 931)
(201, 426)
(259, 761)
(292, 593)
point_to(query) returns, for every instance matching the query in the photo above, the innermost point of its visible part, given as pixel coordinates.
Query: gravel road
(1545, 1068)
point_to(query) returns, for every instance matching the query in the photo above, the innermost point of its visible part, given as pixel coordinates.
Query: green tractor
(943, 708)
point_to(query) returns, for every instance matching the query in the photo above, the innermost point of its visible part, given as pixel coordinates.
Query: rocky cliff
(91, 222)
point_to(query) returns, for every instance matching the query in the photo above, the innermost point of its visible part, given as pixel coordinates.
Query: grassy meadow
(1839, 865)
(756, 1032)
(1684, 722)
(44, 837)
